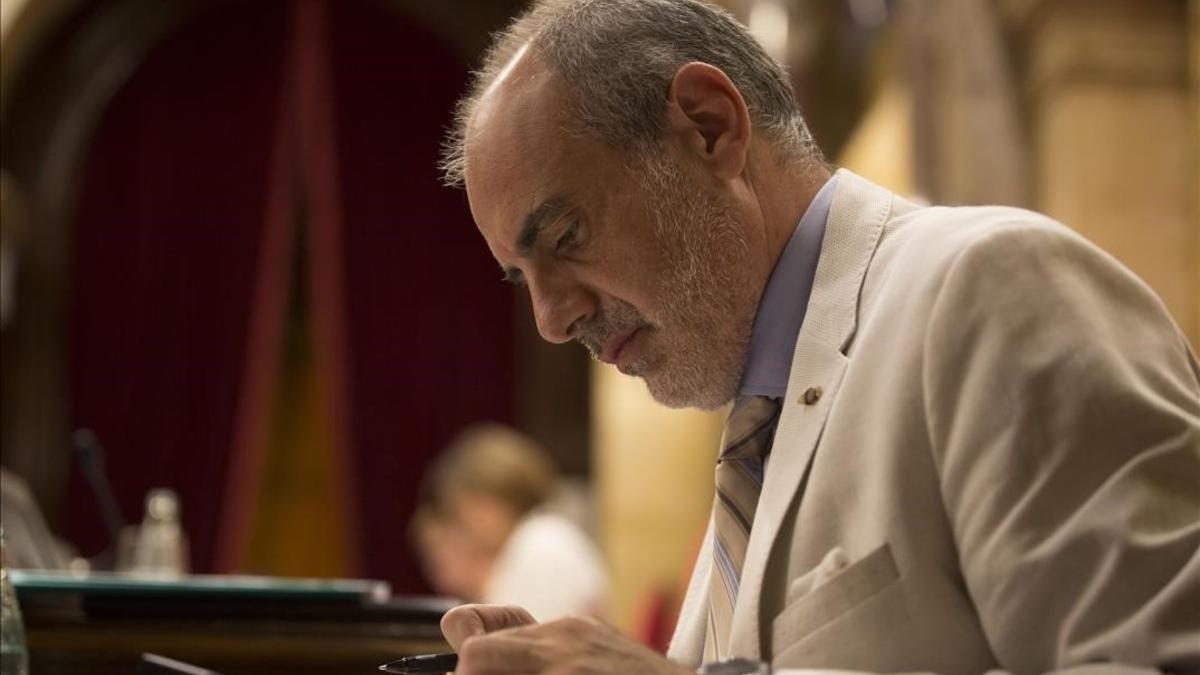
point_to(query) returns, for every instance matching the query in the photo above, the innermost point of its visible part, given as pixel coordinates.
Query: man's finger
(467, 621)
(502, 653)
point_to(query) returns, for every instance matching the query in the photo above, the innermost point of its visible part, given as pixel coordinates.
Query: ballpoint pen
(422, 663)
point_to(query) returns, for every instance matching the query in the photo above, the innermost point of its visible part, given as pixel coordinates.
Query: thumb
(467, 621)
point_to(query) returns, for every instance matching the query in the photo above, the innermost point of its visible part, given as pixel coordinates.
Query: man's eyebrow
(537, 220)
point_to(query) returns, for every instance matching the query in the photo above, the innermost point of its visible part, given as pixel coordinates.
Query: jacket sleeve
(1063, 408)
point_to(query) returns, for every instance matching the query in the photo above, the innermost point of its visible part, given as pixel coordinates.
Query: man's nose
(558, 305)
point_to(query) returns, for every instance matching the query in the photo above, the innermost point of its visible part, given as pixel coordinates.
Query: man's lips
(612, 350)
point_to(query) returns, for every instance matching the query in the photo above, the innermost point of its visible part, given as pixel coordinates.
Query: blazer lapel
(856, 220)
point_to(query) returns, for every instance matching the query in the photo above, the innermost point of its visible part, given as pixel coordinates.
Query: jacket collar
(856, 221)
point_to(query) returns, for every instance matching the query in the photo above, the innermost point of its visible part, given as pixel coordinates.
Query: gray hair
(619, 57)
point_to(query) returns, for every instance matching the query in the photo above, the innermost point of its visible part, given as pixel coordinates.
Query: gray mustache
(603, 327)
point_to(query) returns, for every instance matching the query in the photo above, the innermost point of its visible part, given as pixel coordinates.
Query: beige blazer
(1001, 471)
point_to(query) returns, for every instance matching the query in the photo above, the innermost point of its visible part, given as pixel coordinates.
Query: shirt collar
(784, 302)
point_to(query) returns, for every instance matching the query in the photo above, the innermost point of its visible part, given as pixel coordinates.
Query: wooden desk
(74, 631)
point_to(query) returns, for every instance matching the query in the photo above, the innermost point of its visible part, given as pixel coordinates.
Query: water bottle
(14, 659)
(161, 548)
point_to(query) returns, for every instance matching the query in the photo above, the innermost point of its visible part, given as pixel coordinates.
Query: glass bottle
(14, 659)
(161, 544)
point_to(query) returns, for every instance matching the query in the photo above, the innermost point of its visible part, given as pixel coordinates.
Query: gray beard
(707, 295)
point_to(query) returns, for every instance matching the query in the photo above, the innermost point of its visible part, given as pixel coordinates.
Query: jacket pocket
(849, 588)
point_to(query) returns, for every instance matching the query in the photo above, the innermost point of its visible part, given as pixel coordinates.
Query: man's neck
(785, 193)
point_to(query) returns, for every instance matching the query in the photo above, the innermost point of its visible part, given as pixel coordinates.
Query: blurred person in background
(29, 543)
(487, 530)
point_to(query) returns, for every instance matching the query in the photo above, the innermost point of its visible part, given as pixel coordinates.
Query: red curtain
(195, 169)
(171, 206)
(429, 323)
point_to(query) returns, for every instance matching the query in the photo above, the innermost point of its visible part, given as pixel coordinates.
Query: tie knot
(749, 428)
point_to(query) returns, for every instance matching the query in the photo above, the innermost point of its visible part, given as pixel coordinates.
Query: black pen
(423, 663)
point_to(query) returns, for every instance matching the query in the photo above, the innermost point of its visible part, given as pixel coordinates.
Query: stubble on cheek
(705, 297)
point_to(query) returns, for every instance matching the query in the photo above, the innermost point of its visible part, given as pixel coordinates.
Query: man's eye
(569, 238)
(514, 277)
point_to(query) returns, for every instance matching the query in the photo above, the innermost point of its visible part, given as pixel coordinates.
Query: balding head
(518, 116)
(617, 59)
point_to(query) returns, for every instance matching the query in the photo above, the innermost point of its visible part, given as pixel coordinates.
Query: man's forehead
(513, 138)
(522, 101)
(521, 68)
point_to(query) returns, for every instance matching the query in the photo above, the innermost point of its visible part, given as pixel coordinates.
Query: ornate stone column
(970, 145)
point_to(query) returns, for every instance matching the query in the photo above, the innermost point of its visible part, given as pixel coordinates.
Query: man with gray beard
(962, 440)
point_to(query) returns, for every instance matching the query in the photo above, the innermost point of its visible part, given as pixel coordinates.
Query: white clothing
(549, 567)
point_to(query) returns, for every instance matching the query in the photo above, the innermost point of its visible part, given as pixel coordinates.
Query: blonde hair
(493, 460)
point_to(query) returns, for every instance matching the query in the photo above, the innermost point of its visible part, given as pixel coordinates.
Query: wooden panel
(228, 647)
(1114, 129)
(98, 632)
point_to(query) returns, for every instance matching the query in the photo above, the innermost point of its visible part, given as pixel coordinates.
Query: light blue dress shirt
(784, 302)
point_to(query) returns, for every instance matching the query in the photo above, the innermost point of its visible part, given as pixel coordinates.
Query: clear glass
(14, 659)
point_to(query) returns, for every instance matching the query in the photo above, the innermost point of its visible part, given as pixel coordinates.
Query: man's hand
(500, 640)
(468, 621)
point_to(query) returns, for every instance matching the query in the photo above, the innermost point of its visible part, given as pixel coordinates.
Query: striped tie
(744, 445)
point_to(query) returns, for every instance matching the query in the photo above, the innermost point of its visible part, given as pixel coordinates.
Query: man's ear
(706, 112)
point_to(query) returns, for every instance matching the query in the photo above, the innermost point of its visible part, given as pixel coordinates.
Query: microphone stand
(90, 456)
